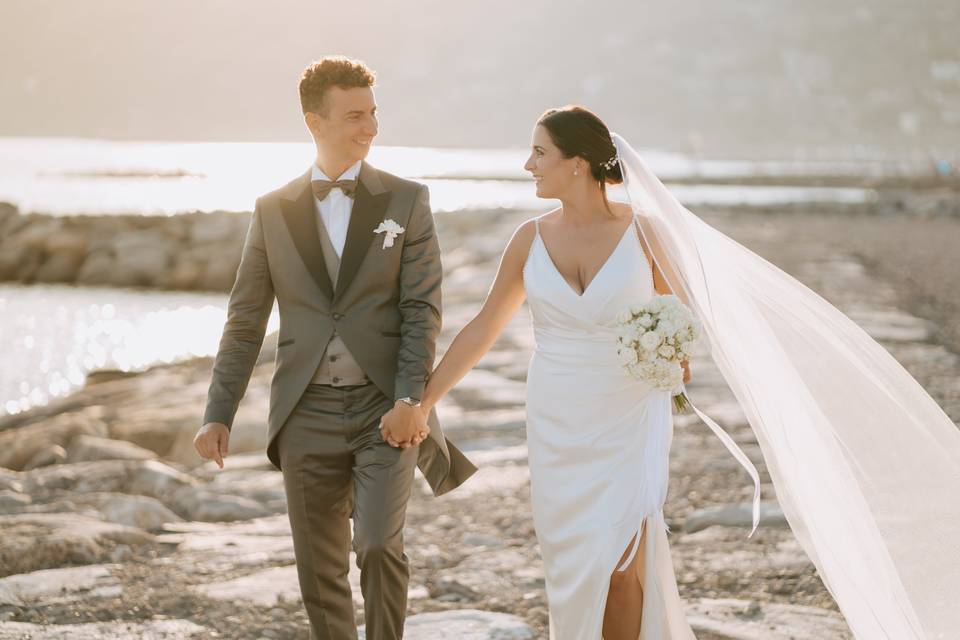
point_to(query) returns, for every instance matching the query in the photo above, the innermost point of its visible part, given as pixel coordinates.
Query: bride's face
(552, 173)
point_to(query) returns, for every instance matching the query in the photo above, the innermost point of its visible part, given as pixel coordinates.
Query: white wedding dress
(599, 444)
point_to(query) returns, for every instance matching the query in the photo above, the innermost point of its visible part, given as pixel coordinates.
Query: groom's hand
(404, 426)
(212, 442)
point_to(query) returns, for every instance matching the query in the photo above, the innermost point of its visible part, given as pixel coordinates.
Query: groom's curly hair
(331, 71)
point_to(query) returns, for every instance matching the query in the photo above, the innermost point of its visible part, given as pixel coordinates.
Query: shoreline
(911, 248)
(200, 251)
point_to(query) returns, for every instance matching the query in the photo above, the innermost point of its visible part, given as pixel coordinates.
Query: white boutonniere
(391, 230)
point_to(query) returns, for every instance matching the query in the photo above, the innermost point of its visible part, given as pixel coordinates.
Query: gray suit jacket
(386, 306)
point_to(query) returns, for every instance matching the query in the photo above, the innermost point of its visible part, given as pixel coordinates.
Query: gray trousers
(336, 466)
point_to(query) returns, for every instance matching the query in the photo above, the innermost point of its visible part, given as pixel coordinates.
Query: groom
(351, 255)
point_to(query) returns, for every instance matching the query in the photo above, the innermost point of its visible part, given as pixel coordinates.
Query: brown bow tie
(321, 188)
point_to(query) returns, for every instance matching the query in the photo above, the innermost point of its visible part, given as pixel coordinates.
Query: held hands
(212, 442)
(404, 426)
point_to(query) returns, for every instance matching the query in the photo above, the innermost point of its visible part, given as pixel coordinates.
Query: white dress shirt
(334, 210)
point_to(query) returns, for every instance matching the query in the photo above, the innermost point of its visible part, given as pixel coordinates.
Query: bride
(598, 439)
(865, 464)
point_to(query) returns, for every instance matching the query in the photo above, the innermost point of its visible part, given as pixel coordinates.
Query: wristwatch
(410, 401)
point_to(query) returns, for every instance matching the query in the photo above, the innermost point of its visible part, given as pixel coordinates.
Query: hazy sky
(737, 77)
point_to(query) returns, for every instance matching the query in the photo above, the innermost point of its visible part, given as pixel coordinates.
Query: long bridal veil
(865, 464)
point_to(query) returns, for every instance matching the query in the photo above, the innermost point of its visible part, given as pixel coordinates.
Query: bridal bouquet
(653, 339)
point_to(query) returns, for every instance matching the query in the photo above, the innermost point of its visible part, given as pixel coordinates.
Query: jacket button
(336, 379)
(337, 316)
(333, 358)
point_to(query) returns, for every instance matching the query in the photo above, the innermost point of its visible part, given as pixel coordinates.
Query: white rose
(627, 356)
(645, 320)
(667, 327)
(667, 351)
(650, 340)
(624, 316)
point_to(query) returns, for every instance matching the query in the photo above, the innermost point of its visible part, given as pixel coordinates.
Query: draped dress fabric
(599, 444)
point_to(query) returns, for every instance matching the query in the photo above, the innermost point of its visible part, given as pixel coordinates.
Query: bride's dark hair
(578, 132)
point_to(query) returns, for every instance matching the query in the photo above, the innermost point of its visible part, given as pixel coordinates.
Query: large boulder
(98, 267)
(210, 506)
(184, 274)
(123, 630)
(752, 620)
(52, 454)
(248, 434)
(157, 428)
(142, 512)
(19, 445)
(45, 540)
(11, 480)
(10, 218)
(220, 272)
(217, 228)
(89, 448)
(12, 502)
(47, 586)
(136, 257)
(734, 515)
(65, 250)
(34, 235)
(110, 476)
(465, 624)
(157, 480)
(58, 268)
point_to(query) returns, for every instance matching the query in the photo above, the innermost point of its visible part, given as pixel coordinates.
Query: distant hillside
(731, 78)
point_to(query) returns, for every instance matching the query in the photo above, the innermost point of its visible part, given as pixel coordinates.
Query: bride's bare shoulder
(524, 234)
(522, 239)
(621, 209)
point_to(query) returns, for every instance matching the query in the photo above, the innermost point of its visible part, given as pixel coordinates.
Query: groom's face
(346, 129)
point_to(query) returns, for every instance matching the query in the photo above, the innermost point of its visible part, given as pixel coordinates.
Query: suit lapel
(299, 213)
(369, 205)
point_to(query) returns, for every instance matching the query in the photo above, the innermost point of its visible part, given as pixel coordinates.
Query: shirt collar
(350, 174)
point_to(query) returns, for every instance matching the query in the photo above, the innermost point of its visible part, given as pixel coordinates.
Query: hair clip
(611, 163)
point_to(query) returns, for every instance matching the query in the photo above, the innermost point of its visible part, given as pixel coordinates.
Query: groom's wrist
(405, 388)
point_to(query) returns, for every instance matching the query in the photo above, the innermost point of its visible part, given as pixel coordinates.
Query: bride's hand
(686, 371)
(424, 428)
(404, 426)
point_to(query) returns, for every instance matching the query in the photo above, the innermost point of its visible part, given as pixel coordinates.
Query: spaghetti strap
(536, 234)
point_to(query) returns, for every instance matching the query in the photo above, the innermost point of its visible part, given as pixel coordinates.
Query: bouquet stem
(681, 404)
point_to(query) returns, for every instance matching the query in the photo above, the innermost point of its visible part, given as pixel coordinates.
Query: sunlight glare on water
(55, 335)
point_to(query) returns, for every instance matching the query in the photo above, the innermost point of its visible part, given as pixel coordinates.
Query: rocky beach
(112, 527)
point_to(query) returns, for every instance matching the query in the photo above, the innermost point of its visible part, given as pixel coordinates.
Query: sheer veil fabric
(865, 464)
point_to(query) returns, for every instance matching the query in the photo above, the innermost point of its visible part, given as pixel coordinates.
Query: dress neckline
(599, 272)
